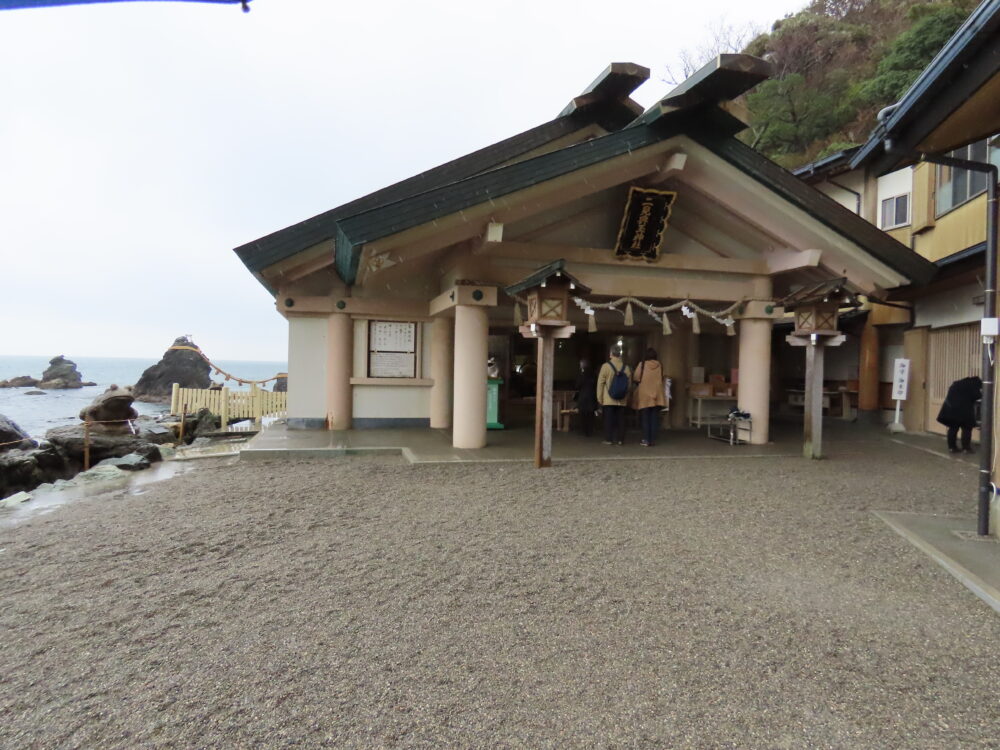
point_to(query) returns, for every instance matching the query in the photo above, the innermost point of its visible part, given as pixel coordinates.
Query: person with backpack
(649, 398)
(613, 384)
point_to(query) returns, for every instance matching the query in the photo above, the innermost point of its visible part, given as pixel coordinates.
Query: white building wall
(360, 369)
(895, 183)
(391, 402)
(306, 372)
(391, 405)
(949, 308)
(847, 191)
(890, 349)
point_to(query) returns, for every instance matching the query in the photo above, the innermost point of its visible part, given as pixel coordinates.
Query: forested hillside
(838, 63)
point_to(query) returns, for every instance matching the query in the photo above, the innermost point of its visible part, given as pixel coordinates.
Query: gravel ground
(362, 602)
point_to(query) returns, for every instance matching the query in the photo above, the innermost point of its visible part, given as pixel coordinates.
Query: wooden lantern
(547, 292)
(548, 304)
(819, 317)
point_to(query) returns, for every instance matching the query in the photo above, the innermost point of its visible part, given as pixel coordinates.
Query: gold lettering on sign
(641, 224)
(644, 222)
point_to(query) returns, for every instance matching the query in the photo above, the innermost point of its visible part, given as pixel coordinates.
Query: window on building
(956, 186)
(895, 211)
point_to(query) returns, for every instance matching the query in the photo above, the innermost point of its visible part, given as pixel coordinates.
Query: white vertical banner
(900, 379)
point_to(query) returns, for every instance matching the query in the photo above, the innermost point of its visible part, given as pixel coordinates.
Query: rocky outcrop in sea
(186, 367)
(21, 381)
(61, 374)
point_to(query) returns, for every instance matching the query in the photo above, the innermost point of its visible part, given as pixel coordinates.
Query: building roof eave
(827, 211)
(942, 86)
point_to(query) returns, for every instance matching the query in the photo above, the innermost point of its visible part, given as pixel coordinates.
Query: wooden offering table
(700, 415)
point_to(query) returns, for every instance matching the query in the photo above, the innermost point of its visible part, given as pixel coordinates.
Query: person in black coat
(958, 412)
(586, 397)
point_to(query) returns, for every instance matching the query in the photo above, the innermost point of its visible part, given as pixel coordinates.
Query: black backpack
(618, 387)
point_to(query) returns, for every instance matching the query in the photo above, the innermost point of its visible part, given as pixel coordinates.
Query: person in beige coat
(648, 397)
(613, 406)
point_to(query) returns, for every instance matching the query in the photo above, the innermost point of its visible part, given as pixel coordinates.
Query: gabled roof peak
(720, 80)
(614, 85)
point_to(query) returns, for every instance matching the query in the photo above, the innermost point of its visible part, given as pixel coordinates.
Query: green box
(493, 403)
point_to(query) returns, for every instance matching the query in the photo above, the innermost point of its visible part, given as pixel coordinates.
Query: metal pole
(988, 367)
(989, 311)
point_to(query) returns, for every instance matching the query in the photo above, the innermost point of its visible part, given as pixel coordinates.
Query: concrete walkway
(421, 446)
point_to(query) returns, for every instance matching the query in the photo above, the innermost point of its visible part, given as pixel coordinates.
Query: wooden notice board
(392, 349)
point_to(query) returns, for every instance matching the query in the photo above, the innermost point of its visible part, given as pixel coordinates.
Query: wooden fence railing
(230, 405)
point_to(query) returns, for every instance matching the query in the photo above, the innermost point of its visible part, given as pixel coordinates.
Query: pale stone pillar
(471, 352)
(868, 370)
(442, 366)
(674, 359)
(754, 389)
(339, 367)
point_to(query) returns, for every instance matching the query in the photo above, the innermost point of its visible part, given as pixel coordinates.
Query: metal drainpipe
(990, 311)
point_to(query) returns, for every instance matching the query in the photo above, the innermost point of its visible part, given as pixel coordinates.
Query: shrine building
(681, 237)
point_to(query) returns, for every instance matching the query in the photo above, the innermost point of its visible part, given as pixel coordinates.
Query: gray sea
(37, 414)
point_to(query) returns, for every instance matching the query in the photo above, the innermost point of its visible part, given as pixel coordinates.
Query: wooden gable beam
(606, 257)
(786, 259)
(301, 264)
(506, 209)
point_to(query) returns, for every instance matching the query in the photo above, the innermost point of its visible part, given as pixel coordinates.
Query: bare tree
(721, 37)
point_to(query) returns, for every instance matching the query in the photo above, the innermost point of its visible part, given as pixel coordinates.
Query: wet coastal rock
(12, 436)
(111, 441)
(24, 470)
(184, 366)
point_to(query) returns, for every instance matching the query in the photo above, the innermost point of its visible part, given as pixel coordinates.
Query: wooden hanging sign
(644, 223)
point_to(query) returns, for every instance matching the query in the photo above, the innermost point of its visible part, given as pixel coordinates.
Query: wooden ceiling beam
(543, 252)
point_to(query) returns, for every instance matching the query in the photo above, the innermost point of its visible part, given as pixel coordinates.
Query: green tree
(789, 115)
(909, 54)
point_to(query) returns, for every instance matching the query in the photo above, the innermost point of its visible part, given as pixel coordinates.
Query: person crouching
(958, 412)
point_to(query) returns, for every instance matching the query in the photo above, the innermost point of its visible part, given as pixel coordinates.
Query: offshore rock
(12, 436)
(185, 367)
(280, 385)
(114, 406)
(61, 373)
(21, 381)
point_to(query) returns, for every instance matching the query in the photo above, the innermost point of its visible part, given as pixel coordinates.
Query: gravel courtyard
(362, 602)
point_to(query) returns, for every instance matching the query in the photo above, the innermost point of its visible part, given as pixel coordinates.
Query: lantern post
(816, 311)
(547, 292)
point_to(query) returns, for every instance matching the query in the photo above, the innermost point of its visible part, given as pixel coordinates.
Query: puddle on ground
(137, 483)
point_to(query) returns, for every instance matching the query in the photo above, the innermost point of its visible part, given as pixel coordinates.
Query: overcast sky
(140, 142)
